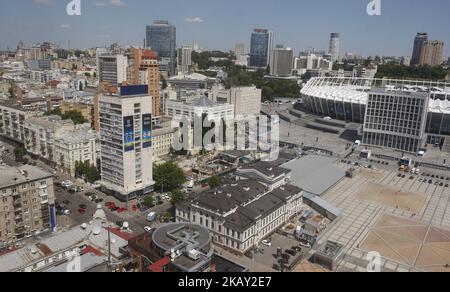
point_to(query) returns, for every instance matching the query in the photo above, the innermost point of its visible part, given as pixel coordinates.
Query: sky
(219, 24)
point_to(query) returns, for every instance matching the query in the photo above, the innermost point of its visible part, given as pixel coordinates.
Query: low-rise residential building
(26, 202)
(78, 145)
(12, 119)
(40, 134)
(162, 142)
(243, 213)
(93, 244)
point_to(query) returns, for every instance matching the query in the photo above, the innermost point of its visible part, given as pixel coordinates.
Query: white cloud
(64, 25)
(194, 20)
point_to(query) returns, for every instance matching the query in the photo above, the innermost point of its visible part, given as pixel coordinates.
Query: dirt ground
(406, 241)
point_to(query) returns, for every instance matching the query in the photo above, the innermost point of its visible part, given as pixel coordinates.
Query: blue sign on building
(134, 90)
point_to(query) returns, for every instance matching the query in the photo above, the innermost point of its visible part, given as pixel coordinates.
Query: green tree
(214, 182)
(149, 201)
(177, 197)
(92, 175)
(20, 153)
(168, 177)
(86, 171)
(164, 82)
(76, 117)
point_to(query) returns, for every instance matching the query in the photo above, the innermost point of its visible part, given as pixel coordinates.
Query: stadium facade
(347, 99)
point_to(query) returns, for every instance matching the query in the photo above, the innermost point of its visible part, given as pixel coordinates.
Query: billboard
(128, 133)
(146, 131)
(134, 90)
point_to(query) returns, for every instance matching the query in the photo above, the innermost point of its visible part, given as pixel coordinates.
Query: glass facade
(261, 44)
(162, 38)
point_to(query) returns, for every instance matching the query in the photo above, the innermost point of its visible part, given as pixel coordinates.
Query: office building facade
(396, 120)
(281, 62)
(432, 53)
(161, 37)
(260, 48)
(112, 69)
(419, 40)
(185, 59)
(335, 43)
(126, 143)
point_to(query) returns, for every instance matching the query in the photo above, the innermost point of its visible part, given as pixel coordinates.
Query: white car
(67, 212)
(147, 229)
(417, 171)
(267, 243)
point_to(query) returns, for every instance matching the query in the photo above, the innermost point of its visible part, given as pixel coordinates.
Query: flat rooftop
(19, 175)
(315, 174)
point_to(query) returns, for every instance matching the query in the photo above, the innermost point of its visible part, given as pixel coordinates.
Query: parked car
(119, 223)
(83, 206)
(151, 216)
(267, 243)
(147, 229)
(67, 212)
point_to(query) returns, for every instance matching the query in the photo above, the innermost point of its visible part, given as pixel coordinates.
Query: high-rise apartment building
(420, 38)
(185, 59)
(432, 53)
(112, 69)
(260, 48)
(126, 142)
(396, 119)
(161, 37)
(27, 202)
(281, 61)
(143, 69)
(335, 43)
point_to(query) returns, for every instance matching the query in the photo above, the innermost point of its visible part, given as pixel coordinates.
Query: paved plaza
(411, 233)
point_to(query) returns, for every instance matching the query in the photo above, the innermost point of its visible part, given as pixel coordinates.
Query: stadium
(346, 99)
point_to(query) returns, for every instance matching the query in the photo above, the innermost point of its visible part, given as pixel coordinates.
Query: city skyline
(202, 22)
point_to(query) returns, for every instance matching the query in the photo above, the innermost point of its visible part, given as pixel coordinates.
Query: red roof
(119, 233)
(52, 83)
(158, 267)
(90, 249)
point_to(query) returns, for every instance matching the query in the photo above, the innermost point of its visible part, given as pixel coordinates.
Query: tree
(149, 201)
(20, 153)
(92, 175)
(86, 170)
(164, 82)
(177, 197)
(214, 182)
(168, 177)
(76, 117)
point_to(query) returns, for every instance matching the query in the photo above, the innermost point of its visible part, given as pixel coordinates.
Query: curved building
(347, 99)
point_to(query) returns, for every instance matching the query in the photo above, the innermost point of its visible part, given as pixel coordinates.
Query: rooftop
(315, 174)
(19, 175)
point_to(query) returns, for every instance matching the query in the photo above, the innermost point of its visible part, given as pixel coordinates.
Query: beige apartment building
(26, 202)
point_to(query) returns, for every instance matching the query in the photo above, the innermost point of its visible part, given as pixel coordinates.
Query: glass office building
(260, 48)
(162, 38)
